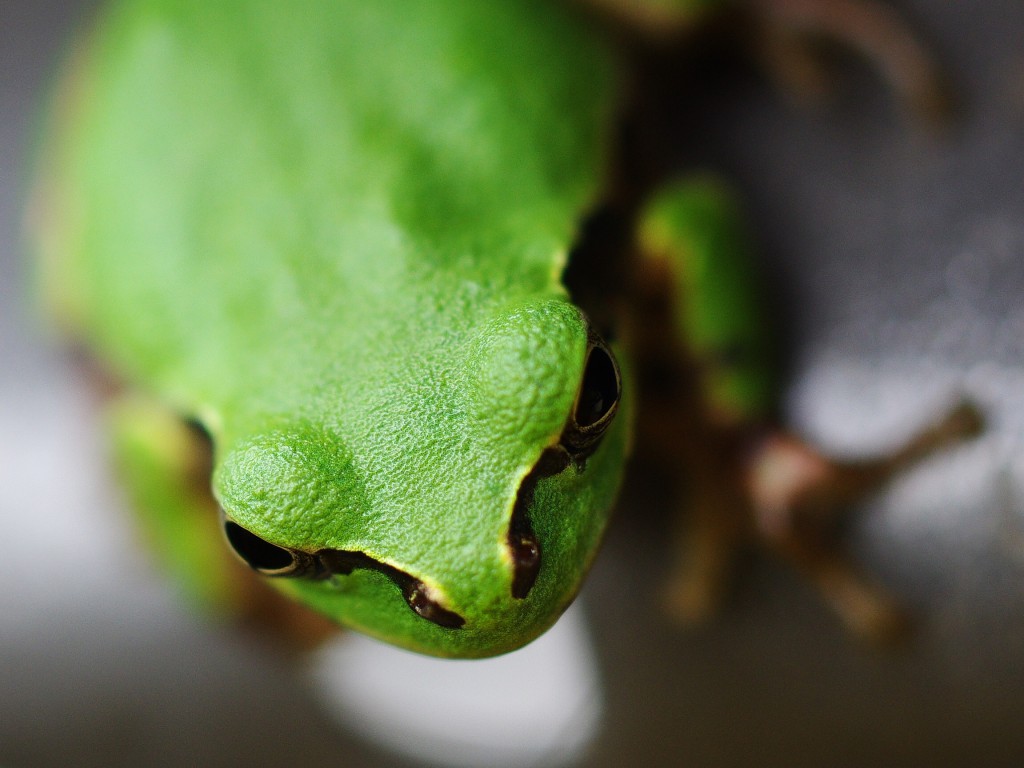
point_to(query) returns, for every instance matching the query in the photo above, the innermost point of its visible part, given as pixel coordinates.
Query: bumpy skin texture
(333, 232)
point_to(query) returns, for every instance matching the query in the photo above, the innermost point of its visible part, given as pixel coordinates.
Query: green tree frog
(345, 262)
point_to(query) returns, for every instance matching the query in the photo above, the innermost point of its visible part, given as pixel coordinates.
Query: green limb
(164, 465)
(694, 227)
(748, 482)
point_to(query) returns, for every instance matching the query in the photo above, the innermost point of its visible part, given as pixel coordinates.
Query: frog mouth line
(522, 542)
(279, 562)
(596, 403)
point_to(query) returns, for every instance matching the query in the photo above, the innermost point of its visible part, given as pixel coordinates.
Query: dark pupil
(258, 553)
(600, 389)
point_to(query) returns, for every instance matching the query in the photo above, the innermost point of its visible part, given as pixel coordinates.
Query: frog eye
(266, 558)
(596, 402)
(601, 388)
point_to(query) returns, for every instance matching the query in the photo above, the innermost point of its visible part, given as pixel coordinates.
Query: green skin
(333, 233)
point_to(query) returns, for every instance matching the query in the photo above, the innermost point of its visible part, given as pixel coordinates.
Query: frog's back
(241, 179)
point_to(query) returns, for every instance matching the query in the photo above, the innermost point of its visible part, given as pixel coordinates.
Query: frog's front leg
(798, 497)
(700, 352)
(165, 463)
(705, 369)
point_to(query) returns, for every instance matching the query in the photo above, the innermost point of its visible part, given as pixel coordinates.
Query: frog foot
(788, 31)
(693, 592)
(797, 501)
(786, 36)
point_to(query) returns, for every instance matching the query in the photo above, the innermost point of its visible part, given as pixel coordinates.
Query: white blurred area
(538, 707)
(73, 543)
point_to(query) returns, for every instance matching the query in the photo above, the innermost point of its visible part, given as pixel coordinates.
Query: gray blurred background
(898, 261)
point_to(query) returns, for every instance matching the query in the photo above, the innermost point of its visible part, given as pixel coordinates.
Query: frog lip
(281, 562)
(522, 542)
(593, 410)
(417, 594)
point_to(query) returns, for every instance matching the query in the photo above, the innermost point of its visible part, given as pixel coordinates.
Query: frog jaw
(443, 617)
(487, 539)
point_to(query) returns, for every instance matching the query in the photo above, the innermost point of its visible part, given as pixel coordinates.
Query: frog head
(459, 516)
